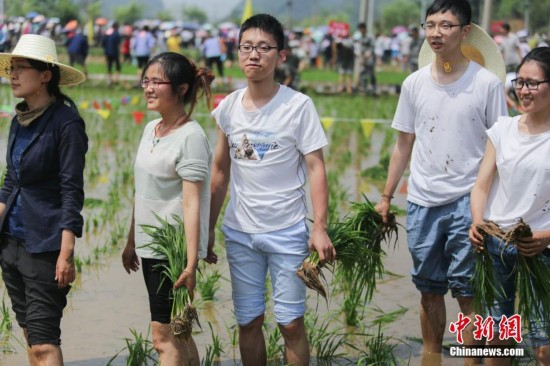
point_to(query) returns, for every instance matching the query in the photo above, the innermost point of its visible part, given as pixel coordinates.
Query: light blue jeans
(438, 241)
(250, 256)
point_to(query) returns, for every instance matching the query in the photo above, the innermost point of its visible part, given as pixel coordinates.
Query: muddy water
(106, 303)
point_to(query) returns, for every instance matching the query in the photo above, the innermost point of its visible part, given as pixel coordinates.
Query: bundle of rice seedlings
(532, 276)
(357, 241)
(532, 283)
(483, 286)
(168, 240)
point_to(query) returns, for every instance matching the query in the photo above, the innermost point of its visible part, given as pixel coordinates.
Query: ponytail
(180, 70)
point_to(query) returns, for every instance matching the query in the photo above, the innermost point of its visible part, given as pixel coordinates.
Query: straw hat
(35, 47)
(478, 47)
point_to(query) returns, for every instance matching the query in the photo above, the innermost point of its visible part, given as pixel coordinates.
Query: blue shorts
(442, 254)
(504, 259)
(250, 256)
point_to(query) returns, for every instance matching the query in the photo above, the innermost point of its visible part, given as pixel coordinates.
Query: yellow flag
(90, 31)
(327, 122)
(84, 104)
(135, 100)
(367, 126)
(247, 12)
(104, 113)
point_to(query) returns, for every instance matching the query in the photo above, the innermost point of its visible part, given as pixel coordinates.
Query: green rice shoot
(531, 275)
(168, 240)
(357, 240)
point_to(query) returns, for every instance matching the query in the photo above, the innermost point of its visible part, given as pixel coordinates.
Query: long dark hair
(53, 84)
(541, 55)
(179, 70)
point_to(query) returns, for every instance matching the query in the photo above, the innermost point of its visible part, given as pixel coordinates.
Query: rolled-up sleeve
(72, 151)
(194, 163)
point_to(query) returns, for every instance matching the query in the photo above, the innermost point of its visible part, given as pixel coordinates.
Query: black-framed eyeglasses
(17, 69)
(247, 48)
(443, 27)
(153, 83)
(531, 84)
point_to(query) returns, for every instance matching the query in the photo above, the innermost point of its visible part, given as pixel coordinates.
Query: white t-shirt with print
(159, 171)
(521, 187)
(449, 122)
(267, 148)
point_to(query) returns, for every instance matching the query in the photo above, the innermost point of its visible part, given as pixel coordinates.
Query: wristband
(389, 196)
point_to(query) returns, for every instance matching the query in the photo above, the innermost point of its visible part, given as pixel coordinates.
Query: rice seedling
(378, 172)
(388, 318)
(168, 240)
(213, 350)
(140, 350)
(5, 324)
(233, 334)
(484, 287)
(357, 240)
(353, 307)
(274, 348)
(377, 350)
(118, 232)
(326, 344)
(78, 264)
(531, 275)
(3, 175)
(208, 284)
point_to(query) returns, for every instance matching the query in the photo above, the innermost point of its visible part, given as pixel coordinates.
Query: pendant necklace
(158, 132)
(447, 64)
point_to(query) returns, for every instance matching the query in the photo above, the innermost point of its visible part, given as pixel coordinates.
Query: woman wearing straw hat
(43, 194)
(443, 112)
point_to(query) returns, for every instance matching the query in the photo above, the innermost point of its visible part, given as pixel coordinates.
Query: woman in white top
(172, 177)
(514, 182)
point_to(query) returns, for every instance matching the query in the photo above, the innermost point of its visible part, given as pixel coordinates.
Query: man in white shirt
(443, 112)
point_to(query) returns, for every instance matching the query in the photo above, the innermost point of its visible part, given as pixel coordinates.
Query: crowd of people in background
(356, 55)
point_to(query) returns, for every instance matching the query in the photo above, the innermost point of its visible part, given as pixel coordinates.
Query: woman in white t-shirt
(172, 177)
(514, 182)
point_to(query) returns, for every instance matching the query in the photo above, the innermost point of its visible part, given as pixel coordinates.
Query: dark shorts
(160, 304)
(210, 61)
(77, 58)
(113, 60)
(142, 61)
(36, 300)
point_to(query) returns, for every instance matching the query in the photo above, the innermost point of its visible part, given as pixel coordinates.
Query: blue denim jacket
(51, 178)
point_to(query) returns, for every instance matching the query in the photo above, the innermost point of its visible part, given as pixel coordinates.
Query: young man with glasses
(269, 140)
(443, 112)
